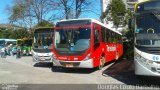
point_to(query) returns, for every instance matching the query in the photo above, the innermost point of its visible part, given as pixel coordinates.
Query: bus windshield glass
(147, 30)
(42, 40)
(72, 40)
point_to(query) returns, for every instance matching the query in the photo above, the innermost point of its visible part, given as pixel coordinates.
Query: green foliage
(44, 23)
(118, 11)
(1, 34)
(7, 33)
(15, 34)
(118, 7)
(129, 46)
(128, 50)
(21, 33)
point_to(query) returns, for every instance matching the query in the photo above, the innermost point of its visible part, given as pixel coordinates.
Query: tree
(44, 23)
(65, 6)
(20, 33)
(129, 34)
(7, 33)
(74, 8)
(30, 12)
(1, 34)
(116, 13)
(15, 34)
(80, 7)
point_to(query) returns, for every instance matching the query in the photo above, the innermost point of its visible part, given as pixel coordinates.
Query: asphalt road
(24, 71)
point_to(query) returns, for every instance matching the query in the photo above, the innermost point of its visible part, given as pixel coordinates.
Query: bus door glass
(96, 37)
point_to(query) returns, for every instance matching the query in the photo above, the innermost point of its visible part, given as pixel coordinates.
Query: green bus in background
(25, 45)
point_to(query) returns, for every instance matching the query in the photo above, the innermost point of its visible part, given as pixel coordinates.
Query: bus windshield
(72, 40)
(42, 40)
(147, 30)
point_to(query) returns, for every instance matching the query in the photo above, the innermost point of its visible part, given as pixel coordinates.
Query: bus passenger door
(110, 45)
(97, 49)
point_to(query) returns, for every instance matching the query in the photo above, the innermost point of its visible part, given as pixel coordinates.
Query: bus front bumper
(74, 64)
(140, 69)
(42, 59)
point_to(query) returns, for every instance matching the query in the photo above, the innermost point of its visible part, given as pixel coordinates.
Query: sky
(3, 13)
(5, 3)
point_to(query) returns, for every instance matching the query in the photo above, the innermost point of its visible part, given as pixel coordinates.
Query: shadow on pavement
(44, 65)
(72, 70)
(76, 70)
(123, 71)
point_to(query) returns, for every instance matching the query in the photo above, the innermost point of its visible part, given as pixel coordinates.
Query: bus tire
(102, 60)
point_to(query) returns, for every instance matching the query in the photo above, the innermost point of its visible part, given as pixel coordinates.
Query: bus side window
(116, 38)
(106, 35)
(110, 37)
(113, 37)
(120, 39)
(118, 42)
(103, 31)
(96, 39)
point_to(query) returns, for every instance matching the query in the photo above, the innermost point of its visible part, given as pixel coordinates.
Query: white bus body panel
(146, 64)
(42, 57)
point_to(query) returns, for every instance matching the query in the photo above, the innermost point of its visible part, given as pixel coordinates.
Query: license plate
(42, 59)
(69, 65)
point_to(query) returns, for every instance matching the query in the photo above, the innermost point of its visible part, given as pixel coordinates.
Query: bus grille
(150, 50)
(73, 63)
(157, 52)
(158, 70)
(42, 50)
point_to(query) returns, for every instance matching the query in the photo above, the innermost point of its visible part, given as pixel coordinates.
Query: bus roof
(43, 29)
(144, 1)
(7, 40)
(95, 21)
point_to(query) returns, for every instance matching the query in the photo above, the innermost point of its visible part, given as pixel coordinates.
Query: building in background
(108, 20)
(105, 4)
(130, 4)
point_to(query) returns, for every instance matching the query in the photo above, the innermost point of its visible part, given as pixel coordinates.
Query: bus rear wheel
(102, 60)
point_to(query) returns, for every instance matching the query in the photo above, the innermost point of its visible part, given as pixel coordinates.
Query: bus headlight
(87, 57)
(54, 56)
(143, 60)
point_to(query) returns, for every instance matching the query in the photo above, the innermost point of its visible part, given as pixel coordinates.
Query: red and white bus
(85, 43)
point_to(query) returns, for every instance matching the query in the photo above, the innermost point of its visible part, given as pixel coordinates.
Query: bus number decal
(111, 48)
